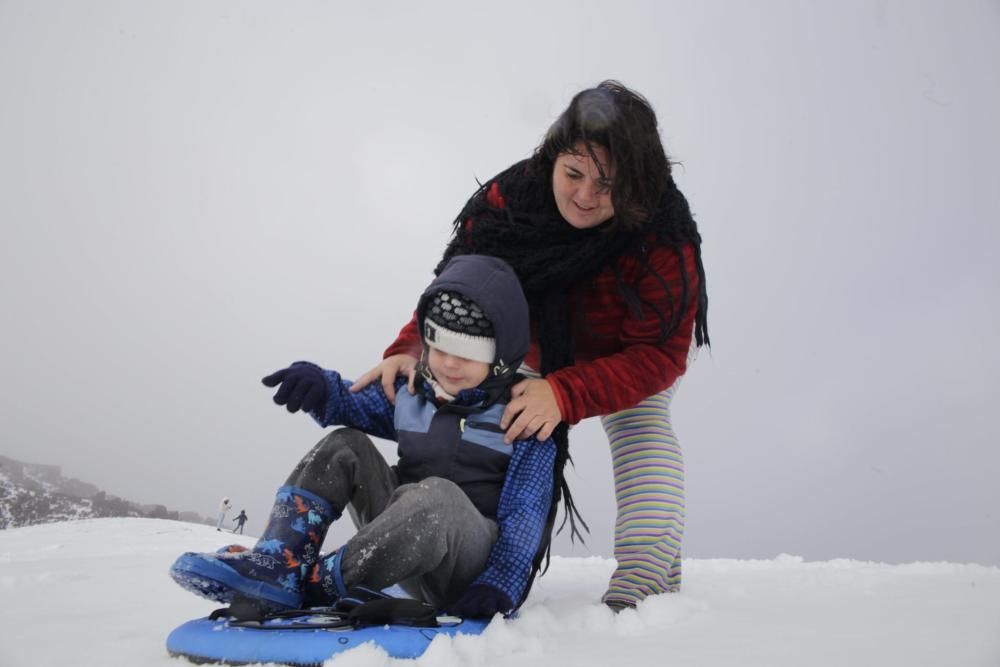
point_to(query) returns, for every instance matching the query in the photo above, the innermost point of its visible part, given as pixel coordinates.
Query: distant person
(223, 511)
(462, 522)
(240, 519)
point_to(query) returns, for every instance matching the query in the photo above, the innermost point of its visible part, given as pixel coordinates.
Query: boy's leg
(342, 468)
(649, 490)
(348, 471)
(430, 539)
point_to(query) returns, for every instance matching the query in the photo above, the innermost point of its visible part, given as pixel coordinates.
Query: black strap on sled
(393, 611)
(386, 611)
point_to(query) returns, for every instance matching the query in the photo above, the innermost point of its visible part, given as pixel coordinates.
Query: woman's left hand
(533, 410)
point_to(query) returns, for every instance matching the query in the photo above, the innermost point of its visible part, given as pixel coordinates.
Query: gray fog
(193, 195)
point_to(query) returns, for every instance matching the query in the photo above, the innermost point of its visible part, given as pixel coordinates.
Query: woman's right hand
(388, 370)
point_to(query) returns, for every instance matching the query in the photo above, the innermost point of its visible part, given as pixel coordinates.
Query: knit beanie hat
(456, 325)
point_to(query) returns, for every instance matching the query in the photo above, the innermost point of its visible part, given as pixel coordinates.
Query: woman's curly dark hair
(621, 121)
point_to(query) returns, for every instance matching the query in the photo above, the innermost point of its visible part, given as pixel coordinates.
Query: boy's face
(456, 373)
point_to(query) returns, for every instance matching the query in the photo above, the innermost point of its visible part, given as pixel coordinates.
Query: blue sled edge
(205, 641)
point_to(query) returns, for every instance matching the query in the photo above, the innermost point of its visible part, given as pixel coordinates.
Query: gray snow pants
(427, 537)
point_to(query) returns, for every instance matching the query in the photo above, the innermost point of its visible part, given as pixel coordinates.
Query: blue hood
(492, 284)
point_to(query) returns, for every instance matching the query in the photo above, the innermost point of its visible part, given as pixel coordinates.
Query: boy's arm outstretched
(326, 396)
(522, 516)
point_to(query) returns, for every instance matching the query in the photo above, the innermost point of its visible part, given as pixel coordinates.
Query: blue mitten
(480, 601)
(303, 386)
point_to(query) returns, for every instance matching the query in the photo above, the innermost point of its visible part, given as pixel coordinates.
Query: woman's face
(582, 195)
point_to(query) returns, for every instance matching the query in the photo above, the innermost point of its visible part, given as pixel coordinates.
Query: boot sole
(213, 579)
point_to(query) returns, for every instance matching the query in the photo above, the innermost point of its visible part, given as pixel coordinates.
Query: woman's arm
(605, 385)
(399, 359)
(645, 366)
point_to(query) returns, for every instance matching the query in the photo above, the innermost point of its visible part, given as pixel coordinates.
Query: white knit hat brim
(476, 348)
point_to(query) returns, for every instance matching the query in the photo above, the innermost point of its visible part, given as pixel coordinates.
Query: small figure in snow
(223, 511)
(240, 519)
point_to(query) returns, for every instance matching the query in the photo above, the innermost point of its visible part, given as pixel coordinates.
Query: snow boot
(270, 573)
(324, 586)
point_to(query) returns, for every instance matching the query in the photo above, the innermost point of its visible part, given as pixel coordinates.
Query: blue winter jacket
(462, 441)
(468, 456)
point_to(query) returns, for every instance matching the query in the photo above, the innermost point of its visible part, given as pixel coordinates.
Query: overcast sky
(193, 195)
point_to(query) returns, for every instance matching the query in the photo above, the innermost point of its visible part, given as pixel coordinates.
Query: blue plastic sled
(207, 641)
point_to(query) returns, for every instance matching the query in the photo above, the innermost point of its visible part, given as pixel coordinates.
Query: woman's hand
(388, 370)
(533, 410)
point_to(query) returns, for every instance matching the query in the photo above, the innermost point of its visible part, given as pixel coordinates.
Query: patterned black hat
(455, 324)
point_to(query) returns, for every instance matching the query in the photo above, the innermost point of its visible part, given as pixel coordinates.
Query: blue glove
(480, 601)
(303, 386)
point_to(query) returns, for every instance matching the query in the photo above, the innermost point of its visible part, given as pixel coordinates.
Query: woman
(610, 260)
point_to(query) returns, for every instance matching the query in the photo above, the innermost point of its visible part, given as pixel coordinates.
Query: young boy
(461, 521)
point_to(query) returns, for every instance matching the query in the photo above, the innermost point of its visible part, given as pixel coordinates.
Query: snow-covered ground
(96, 592)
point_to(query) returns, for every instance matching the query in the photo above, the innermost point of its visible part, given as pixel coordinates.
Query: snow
(96, 592)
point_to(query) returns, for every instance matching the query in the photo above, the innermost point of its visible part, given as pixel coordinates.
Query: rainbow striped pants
(649, 491)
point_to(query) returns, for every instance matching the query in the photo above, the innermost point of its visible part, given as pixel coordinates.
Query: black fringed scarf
(556, 262)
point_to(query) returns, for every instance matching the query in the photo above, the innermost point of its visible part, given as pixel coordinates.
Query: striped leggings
(649, 491)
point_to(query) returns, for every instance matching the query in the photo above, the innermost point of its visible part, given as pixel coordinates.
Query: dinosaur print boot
(324, 586)
(272, 572)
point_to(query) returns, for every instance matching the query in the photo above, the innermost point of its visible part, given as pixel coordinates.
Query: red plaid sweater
(618, 360)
